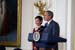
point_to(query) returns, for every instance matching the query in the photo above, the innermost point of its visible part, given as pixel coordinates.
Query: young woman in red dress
(39, 27)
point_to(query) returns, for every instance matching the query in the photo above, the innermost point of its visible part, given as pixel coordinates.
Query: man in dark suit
(52, 28)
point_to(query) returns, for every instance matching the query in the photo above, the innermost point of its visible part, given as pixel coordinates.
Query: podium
(44, 39)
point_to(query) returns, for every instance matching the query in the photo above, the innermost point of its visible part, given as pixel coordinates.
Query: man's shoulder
(54, 22)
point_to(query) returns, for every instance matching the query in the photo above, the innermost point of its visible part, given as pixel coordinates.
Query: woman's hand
(52, 48)
(35, 48)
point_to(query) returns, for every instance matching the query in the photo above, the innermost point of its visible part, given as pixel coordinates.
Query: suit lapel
(49, 26)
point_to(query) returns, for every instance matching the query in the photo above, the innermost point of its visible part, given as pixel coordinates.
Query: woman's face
(38, 22)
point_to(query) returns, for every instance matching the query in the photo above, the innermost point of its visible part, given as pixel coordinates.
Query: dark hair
(39, 17)
(50, 13)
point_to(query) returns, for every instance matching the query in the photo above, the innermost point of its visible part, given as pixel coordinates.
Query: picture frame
(10, 27)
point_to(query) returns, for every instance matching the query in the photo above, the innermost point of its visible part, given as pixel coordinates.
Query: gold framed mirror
(10, 25)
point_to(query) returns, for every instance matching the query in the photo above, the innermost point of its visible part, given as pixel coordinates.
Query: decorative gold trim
(19, 22)
(18, 42)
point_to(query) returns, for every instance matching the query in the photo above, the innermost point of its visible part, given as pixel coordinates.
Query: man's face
(46, 17)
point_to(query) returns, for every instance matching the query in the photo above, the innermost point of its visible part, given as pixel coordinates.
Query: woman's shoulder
(42, 26)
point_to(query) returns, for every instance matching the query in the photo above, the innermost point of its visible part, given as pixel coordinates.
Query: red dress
(34, 30)
(34, 42)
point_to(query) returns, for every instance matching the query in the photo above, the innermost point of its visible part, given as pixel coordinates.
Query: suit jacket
(53, 30)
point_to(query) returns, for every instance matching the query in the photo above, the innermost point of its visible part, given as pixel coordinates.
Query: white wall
(27, 23)
(60, 15)
(68, 25)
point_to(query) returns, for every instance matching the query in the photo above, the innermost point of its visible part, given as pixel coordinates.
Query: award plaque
(36, 36)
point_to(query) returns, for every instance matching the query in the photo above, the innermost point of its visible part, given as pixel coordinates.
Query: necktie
(46, 24)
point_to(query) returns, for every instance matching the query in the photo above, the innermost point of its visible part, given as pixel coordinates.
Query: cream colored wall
(73, 25)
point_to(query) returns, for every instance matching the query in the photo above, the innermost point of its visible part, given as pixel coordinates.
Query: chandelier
(42, 5)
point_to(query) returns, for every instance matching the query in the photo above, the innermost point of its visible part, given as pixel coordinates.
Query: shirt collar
(49, 21)
(36, 28)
